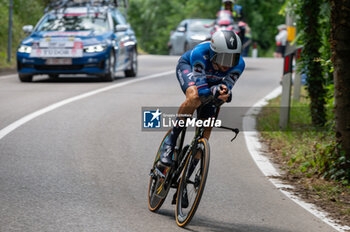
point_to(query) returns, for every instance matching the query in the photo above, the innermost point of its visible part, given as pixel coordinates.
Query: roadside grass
(301, 151)
(140, 51)
(6, 65)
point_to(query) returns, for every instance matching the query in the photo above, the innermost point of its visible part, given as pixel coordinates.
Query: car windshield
(200, 25)
(75, 22)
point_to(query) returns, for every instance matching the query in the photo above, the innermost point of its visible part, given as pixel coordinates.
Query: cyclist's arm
(233, 75)
(201, 79)
(198, 63)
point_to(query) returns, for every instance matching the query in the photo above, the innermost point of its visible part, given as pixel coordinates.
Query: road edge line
(266, 167)
(13, 126)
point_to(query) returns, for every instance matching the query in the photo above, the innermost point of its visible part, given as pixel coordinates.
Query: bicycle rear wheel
(192, 183)
(156, 192)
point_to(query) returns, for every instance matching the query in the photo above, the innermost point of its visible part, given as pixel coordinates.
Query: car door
(120, 33)
(180, 37)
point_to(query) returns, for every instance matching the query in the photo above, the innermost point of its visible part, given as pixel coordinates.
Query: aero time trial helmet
(225, 48)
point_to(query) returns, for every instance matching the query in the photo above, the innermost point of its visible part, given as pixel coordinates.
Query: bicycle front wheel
(192, 183)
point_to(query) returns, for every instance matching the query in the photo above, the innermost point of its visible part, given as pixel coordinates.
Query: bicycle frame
(192, 149)
(174, 175)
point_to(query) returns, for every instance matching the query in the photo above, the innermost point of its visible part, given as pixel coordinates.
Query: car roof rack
(62, 4)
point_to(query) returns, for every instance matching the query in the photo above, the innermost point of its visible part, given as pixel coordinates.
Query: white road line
(5, 131)
(252, 140)
(7, 76)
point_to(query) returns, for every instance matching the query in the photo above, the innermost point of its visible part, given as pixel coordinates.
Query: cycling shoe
(166, 157)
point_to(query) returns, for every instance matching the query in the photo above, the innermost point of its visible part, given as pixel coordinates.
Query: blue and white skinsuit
(195, 69)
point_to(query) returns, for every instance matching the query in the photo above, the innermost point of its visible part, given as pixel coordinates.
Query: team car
(79, 38)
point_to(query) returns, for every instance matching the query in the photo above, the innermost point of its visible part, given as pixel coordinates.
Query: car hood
(199, 34)
(87, 37)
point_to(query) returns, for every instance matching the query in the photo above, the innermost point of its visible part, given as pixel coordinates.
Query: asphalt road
(84, 166)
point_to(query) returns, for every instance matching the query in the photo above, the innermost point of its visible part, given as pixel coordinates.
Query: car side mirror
(120, 27)
(181, 29)
(28, 29)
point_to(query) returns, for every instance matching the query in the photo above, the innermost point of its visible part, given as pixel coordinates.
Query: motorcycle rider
(228, 5)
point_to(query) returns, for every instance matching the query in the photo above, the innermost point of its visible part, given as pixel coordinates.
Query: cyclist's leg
(187, 83)
(209, 111)
(207, 132)
(192, 102)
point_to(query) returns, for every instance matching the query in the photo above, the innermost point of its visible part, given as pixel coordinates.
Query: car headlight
(198, 37)
(25, 49)
(95, 48)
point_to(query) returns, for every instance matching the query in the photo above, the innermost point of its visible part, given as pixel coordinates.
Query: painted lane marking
(5, 131)
(252, 141)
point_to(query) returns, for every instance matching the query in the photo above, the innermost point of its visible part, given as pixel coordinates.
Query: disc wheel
(192, 183)
(155, 182)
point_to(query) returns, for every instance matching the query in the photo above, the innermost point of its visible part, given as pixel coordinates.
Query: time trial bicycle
(187, 175)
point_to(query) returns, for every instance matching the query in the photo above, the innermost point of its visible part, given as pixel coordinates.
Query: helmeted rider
(228, 5)
(209, 69)
(234, 8)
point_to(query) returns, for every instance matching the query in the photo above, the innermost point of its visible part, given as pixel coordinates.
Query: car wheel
(25, 78)
(132, 72)
(109, 76)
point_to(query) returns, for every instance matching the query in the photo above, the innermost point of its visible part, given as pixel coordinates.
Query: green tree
(153, 20)
(24, 13)
(340, 18)
(308, 14)
(263, 18)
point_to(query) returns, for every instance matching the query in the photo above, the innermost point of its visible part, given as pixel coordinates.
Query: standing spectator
(281, 41)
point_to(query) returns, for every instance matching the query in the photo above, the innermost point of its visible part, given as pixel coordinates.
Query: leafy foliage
(263, 17)
(24, 13)
(153, 20)
(327, 158)
(309, 23)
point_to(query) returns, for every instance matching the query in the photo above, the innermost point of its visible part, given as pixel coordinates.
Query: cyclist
(209, 69)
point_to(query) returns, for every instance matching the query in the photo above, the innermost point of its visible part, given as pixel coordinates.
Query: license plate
(54, 53)
(66, 61)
